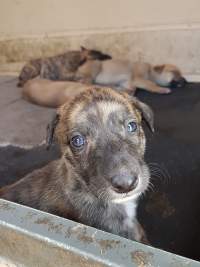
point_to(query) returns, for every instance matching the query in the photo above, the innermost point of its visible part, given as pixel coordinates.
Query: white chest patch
(130, 208)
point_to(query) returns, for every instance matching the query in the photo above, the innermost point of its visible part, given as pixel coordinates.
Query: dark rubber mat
(170, 211)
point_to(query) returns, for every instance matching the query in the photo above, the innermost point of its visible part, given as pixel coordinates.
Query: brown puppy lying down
(102, 172)
(51, 93)
(59, 67)
(131, 75)
(121, 75)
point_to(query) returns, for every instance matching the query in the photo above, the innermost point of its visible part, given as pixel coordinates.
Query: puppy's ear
(146, 111)
(159, 68)
(84, 55)
(51, 130)
(83, 49)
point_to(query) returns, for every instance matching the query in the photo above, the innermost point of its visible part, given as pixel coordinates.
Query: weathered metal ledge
(33, 238)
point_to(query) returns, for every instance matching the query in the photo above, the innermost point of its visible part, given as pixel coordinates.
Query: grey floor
(21, 123)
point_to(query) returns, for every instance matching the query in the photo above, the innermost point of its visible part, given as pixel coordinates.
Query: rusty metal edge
(86, 242)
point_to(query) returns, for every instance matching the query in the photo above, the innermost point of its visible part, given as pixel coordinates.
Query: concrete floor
(21, 123)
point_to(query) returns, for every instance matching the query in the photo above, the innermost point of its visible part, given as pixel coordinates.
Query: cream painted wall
(155, 31)
(22, 18)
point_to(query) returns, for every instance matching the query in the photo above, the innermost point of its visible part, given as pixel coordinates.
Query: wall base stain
(156, 46)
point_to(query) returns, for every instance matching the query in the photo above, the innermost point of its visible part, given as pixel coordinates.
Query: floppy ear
(159, 68)
(147, 112)
(50, 130)
(83, 48)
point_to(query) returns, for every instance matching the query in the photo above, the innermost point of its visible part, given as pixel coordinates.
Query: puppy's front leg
(139, 233)
(150, 86)
(133, 230)
(128, 87)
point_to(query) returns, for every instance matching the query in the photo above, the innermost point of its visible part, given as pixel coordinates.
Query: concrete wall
(38, 17)
(143, 30)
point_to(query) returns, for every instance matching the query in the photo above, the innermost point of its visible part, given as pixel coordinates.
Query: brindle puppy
(60, 67)
(102, 171)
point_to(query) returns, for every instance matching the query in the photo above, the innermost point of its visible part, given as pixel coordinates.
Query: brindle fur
(60, 67)
(79, 185)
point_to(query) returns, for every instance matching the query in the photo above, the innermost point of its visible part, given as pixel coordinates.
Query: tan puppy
(119, 74)
(51, 93)
(102, 172)
(131, 75)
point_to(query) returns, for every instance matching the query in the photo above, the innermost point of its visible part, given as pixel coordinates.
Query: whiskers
(159, 173)
(150, 187)
(101, 193)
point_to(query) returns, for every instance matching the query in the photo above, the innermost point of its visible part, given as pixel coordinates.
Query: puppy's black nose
(124, 184)
(183, 81)
(178, 84)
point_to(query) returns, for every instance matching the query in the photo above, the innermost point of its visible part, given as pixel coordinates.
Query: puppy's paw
(165, 91)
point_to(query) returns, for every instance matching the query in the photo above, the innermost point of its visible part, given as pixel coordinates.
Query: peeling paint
(57, 228)
(142, 259)
(30, 215)
(5, 206)
(80, 232)
(108, 244)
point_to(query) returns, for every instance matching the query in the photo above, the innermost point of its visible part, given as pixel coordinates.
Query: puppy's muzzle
(178, 83)
(124, 183)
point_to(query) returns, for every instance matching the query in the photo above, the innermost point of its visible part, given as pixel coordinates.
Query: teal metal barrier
(29, 237)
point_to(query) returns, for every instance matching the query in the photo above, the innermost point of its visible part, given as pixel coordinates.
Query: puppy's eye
(131, 127)
(77, 141)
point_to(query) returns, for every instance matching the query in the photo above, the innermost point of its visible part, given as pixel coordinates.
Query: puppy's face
(103, 144)
(169, 75)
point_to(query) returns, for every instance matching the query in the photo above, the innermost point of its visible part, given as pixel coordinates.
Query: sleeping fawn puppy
(51, 94)
(101, 173)
(121, 75)
(127, 75)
